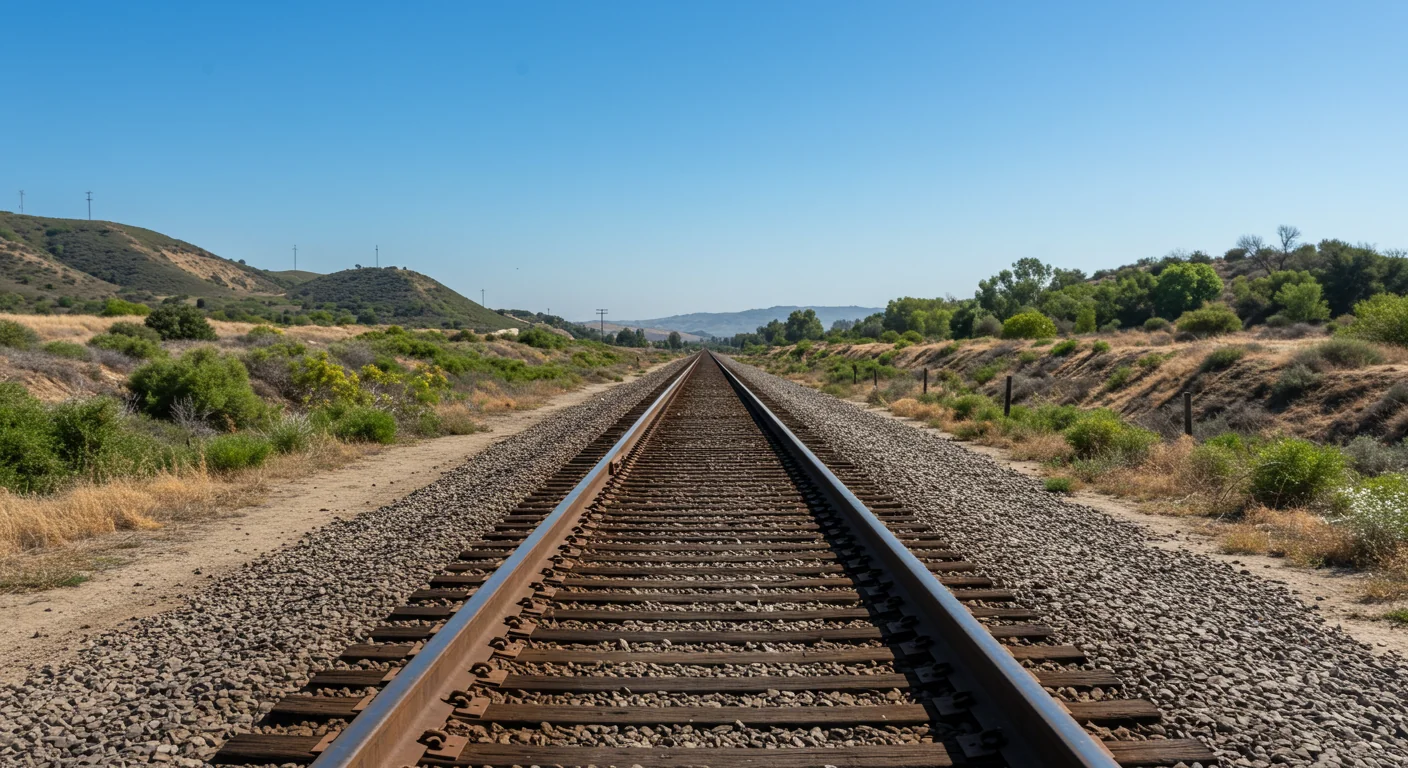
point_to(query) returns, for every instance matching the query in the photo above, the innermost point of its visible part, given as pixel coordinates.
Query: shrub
(241, 450)
(29, 457)
(364, 424)
(1341, 353)
(1085, 320)
(1118, 378)
(1151, 361)
(214, 386)
(180, 322)
(949, 349)
(1279, 321)
(541, 338)
(1100, 347)
(134, 330)
(966, 406)
(261, 333)
(986, 373)
(1215, 462)
(1154, 324)
(1052, 418)
(1370, 457)
(131, 346)
(119, 308)
(1058, 484)
(1295, 379)
(1376, 511)
(1290, 471)
(913, 337)
(291, 434)
(1063, 348)
(890, 337)
(17, 336)
(1028, 325)
(67, 349)
(1302, 302)
(1028, 356)
(1221, 359)
(1380, 318)
(1101, 433)
(988, 326)
(1210, 320)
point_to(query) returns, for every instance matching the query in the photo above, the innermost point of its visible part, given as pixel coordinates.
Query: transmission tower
(601, 315)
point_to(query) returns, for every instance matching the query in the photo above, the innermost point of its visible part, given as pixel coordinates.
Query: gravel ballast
(1230, 659)
(171, 688)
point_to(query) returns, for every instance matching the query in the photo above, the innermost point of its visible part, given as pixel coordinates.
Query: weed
(1058, 484)
(1221, 359)
(1063, 348)
(1118, 378)
(1397, 616)
(241, 450)
(1100, 347)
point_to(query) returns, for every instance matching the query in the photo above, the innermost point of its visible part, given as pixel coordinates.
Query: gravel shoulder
(161, 567)
(173, 685)
(1231, 658)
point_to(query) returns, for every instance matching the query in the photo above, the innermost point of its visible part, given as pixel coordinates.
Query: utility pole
(21, 201)
(90, 205)
(378, 257)
(481, 298)
(601, 315)
(295, 258)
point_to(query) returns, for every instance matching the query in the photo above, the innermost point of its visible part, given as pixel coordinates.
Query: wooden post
(1007, 401)
(855, 375)
(875, 374)
(1188, 413)
(926, 381)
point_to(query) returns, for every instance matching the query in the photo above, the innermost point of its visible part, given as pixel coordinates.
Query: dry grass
(1043, 447)
(1301, 536)
(910, 408)
(87, 510)
(457, 419)
(1244, 540)
(1166, 473)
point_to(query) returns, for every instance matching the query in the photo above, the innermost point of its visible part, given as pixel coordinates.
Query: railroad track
(706, 585)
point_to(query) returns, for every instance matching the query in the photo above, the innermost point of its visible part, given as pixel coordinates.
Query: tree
(674, 341)
(1256, 249)
(1350, 274)
(1288, 236)
(1085, 320)
(1381, 318)
(1185, 286)
(1007, 292)
(180, 322)
(774, 332)
(1301, 302)
(625, 338)
(803, 324)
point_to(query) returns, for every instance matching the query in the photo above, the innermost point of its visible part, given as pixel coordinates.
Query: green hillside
(116, 258)
(288, 278)
(394, 295)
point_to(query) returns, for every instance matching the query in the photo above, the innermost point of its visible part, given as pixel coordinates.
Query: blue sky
(655, 158)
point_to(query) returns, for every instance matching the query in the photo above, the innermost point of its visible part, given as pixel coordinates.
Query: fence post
(875, 375)
(855, 375)
(926, 381)
(1188, 413)
(1007, 401)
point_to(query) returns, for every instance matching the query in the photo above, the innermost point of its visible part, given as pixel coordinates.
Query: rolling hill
(398, 295)
(76, 260)
(728, 323)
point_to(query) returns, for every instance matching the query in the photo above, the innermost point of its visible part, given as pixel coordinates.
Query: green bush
(1376, 511)
(540, 338)
(119, 308)
(132, 346)
(180, 322)
(1295, 379)
(240, 450)
(1100, 347)
(215, 386)
(1151, 361)
(1063, 348)
(1290, 471)
(988, 325)
(1302, 302)
(1118, 378)
(17, 336)
(1085, 320)
(967, 406)
(29, 456)
(1343, 353)
(986, 373)
(134, 330)
(1028, 356)
(890, 337)
(260, 333)
(290, 434)
(1215, 462)
(67, 349)
(1154, 324)
(1102, 434)
(1380, 318)
(363, 424)
(1221, 359)
(1211, 320)
(949, 349)
(1052, 418)
(1028, 325)
(1058, 484)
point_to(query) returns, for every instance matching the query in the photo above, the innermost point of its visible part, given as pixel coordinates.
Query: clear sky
(663, 157)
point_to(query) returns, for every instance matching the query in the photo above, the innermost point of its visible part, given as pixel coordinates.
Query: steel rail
(1020, 719)
(386, 732)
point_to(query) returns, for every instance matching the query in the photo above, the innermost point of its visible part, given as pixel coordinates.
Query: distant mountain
(747, 321)
(400, 296)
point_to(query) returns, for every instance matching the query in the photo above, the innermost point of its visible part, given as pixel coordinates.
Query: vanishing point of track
(708, 585)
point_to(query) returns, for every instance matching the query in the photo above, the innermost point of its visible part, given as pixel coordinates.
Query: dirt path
(1334, 593)
(162, 566)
